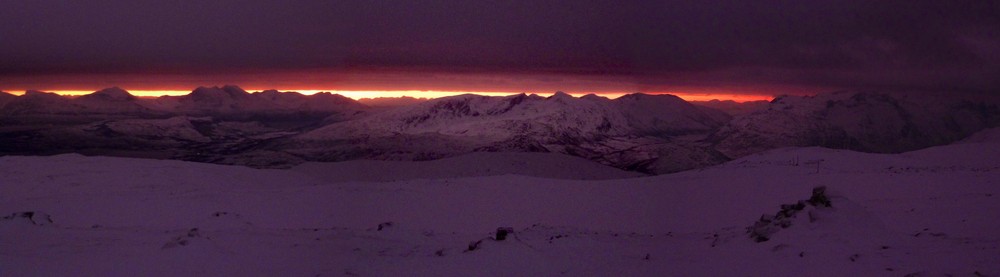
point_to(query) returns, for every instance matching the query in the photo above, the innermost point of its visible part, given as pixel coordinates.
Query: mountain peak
(274, 95)
(559, 95)
(594, 97)
(645, 96)
(234, 90)
(205, 90)
(112, 93)
(32, 92)
(227, 91)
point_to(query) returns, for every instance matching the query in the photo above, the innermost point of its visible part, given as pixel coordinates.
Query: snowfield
(930, 212)
(469, 165)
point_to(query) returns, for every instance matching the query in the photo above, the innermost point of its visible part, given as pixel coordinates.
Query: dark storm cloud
(891, 44)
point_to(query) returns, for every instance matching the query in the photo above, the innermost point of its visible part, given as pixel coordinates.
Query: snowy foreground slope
(929, 213)
(544, 165)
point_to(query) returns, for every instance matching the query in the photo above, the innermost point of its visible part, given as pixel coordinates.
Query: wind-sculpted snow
(929, 212)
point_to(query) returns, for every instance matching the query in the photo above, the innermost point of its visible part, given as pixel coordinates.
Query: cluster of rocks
(768, 225)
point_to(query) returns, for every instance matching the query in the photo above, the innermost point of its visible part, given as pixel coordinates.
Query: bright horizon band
(359, 94)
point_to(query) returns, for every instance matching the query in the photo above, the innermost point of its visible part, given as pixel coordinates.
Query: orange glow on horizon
(359, 94)
(721, 96)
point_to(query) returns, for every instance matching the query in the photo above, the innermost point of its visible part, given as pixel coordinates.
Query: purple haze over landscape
(499, 138)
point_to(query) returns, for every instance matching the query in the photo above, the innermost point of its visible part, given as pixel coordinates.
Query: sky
(665, 46)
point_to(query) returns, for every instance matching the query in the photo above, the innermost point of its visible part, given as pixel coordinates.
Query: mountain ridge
(640, 132)
(228, 100)
(591, 127)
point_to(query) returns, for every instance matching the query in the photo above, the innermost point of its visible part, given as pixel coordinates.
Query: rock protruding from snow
(768, 225)
(182, 240)
(825, 215)
(34, 218)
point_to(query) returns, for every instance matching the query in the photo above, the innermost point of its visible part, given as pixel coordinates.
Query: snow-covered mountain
(561, 115)
(111, 101)
(216, 124)
(175, 128)
(864, 121)
(389, 102)
(203, 101)
(39, 102)
(734, 108)
(591, 126)
(639, 132)
(234, 101)
(319, 102)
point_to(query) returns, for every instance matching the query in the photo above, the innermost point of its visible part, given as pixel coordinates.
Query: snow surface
(542, 165)
(929, 213)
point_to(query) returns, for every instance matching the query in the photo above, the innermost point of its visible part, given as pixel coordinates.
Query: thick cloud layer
(930, 45)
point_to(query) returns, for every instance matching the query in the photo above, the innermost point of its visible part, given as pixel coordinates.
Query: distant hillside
(734, 108)
(226, 101)
(651, 134)
(628, 132)
(863, 121)
(390, 102)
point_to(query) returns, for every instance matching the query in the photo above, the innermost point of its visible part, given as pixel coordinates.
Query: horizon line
(427, 94)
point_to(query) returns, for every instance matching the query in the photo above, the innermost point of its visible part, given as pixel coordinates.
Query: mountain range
(628, 132)
(225, 101)
(639, 132)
